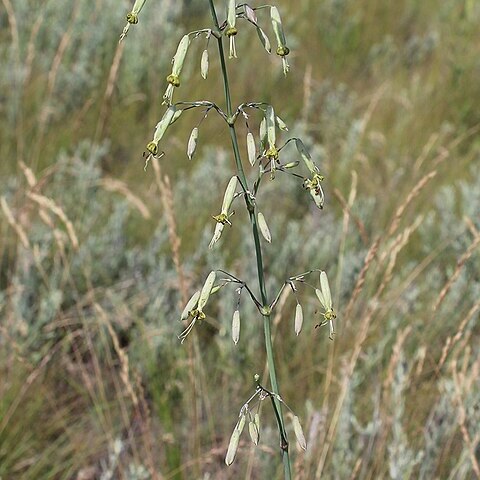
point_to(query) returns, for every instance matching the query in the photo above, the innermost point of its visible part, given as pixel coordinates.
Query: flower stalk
(258, 249)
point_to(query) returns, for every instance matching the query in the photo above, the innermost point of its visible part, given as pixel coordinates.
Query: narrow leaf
(262, 225)
(297, 428)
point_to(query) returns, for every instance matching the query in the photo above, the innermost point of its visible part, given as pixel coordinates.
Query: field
(98, 255)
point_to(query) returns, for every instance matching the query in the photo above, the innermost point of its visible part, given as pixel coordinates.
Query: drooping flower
(177, 64)
(231, 29)
(282, 49)
(223, 217)
(325, 297)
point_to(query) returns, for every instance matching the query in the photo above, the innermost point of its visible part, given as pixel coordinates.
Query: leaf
(297, 428)
(262, 225)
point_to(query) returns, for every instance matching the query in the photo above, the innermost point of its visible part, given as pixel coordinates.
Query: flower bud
(234, 439)
(236, 326)
(204, 64)
(262, 225)
(232, 447)
(298, 319)
(263, 132)
(297, 428)
(192, 143)
(253, 431)
(251, 149)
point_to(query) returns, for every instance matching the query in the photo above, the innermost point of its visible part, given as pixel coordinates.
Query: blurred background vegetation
(98, 256)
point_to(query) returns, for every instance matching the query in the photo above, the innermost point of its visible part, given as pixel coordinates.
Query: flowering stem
(258, 251)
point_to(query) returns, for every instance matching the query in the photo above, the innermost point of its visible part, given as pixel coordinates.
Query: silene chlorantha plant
(265, 158)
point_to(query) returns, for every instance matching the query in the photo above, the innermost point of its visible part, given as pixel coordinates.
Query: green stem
(258, 250)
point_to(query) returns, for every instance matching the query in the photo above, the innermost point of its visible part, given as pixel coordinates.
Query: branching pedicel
(268, 156)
